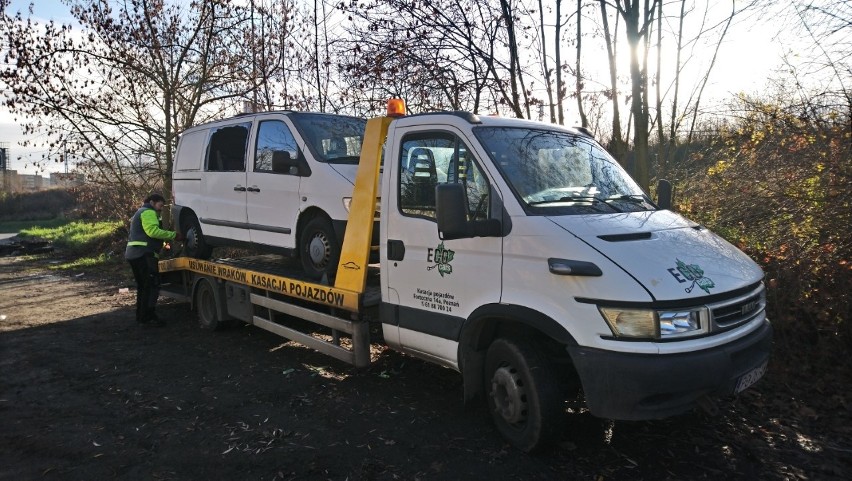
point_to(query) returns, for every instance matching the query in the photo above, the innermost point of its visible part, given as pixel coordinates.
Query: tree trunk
(514, 61)
(548, 82)
(639, 101)
(579, 86)
(560, 88)
(616, 147)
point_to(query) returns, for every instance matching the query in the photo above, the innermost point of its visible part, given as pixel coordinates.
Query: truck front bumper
(625, 386)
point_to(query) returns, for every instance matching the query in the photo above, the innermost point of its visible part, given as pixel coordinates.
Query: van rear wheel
(319, 249)
(524, 394)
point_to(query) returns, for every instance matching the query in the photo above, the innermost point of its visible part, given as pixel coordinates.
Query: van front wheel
(523, 394)
(195, 245)
(319, 249)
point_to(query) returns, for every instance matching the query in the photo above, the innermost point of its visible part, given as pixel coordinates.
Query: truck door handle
(239, 188)
(396, 250)
(253, 188)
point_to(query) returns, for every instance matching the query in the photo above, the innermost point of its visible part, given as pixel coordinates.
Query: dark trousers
(146, 271)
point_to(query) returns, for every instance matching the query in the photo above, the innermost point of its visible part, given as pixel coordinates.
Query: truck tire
(205, 302)
(319, 249)
(195, 245)
(523, 392)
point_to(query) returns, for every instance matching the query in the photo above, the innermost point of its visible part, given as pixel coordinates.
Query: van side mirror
(283, 161)
(450, 209)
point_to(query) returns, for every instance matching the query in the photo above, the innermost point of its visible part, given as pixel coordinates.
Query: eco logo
(691, 272)
(442, 257)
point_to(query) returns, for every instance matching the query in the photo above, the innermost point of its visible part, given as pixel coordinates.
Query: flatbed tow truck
(521, 255)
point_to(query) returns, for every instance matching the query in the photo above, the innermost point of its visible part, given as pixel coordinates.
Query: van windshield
(332, 138)
(555, 172)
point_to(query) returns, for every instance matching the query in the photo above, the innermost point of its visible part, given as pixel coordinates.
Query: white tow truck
(521, 255)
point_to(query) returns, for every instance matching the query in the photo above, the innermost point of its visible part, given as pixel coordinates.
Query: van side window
(436, 158)
(272, 135)
(227, 149)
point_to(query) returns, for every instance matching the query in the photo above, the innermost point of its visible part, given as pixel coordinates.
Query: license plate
(748, 379)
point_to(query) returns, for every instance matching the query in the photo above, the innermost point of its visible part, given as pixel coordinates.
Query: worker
(146, 240)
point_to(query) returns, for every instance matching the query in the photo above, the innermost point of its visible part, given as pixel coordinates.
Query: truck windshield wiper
(633, 199)
(572, 198)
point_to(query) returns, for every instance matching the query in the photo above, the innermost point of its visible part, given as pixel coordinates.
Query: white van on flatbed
(281, 181)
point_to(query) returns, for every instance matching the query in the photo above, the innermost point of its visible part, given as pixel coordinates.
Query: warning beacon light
(396, 108)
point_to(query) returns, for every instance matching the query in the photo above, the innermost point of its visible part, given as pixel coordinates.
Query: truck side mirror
(451, 212)
(283, 161)
(664, 194)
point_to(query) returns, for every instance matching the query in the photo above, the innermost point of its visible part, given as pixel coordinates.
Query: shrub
(41, 205)
(776, 182)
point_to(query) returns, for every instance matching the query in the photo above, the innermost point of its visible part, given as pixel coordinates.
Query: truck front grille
(739, 310)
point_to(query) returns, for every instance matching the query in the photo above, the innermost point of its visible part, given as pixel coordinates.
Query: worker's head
(156, 201)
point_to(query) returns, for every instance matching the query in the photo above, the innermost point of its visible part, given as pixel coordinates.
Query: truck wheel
(319, 249)
(195, 245)
(523, 394)
(205, 302)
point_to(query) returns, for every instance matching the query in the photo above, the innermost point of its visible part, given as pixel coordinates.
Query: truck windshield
(331, 138)
(559, 173)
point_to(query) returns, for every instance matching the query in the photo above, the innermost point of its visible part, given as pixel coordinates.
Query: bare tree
(638, 17)
(465, 44)
(548, 82)
(617, 144)
(118, 93)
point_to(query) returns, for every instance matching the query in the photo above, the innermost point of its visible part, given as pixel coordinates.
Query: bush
(776, 182)
(36, 206)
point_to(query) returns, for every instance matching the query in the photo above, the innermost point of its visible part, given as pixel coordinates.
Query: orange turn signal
(396, 108)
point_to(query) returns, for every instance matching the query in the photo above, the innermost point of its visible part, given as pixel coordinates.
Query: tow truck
(521, 255)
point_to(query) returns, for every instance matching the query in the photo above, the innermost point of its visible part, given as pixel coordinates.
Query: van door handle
(239, 188)
(396, 250)
(253, 188)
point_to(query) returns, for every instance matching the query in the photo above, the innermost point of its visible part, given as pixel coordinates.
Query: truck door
(438, 283)
(272, 197)
(224, 183)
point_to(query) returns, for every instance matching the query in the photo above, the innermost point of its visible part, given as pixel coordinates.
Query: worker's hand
(179, 237)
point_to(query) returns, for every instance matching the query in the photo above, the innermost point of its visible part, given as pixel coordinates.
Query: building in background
(66, 180)
(13, 182)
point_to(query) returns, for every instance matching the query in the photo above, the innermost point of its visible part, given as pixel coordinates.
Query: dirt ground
(86, 393)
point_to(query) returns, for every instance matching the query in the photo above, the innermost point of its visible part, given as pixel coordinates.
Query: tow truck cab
(522, 255)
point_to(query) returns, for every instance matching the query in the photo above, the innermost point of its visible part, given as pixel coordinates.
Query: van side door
(224, 183)
(273, 188)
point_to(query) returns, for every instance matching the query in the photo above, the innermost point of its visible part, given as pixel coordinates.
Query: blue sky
(44, 9)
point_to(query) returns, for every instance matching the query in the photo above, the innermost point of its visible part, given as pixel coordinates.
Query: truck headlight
(656, 324)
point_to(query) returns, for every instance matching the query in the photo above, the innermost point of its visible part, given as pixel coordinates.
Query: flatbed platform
(276, 274)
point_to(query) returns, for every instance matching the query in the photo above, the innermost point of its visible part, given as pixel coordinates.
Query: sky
(745, 61)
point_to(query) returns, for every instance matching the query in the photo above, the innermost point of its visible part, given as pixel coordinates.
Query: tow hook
(708, 405)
